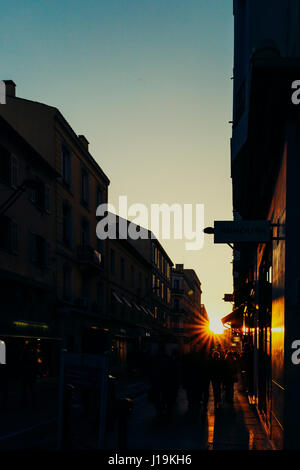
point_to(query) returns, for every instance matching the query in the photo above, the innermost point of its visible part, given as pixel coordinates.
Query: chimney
(10, 88)
(84, 141)
(179, 267)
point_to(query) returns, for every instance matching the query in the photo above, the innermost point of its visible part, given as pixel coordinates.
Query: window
(5, 172)
(100, 295)
(162, 290)
(153, 281)
(8, 234)
(140, 280)
(67, 283)
(112, 262)
(39, 250)
(122, 269)
(176, 284)
(132, 276)
(85, 284)
(146, 284)
(168, 295)
(47, 198)
(14, 167)
(85, 232)
(67, 224)
(9, 168)
(66, 167)
(40, 195)
(84, 187)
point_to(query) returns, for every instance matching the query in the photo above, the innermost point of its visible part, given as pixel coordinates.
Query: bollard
(66, 419)
(124, 409)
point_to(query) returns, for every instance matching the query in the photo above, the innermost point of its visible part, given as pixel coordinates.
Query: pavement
(233, 427)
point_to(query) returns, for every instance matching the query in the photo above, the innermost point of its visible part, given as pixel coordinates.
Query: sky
(148, 82)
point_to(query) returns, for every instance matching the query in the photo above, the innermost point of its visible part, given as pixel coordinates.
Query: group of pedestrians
(195, 372)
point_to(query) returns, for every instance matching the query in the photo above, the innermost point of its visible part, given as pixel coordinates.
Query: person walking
(162, 376)
(190, 380)
(216, 376)
(231, 372)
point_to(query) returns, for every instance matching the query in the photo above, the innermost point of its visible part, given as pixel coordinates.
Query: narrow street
(231, 428)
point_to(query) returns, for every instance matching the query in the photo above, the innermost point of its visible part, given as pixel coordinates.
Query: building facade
(81, 271)
(130, 318)
(27, 253)
(265, 165)
(187, 319)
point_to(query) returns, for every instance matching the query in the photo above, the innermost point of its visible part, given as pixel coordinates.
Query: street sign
(228, 298)
(242, 231)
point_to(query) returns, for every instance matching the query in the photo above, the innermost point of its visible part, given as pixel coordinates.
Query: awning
(127, 302)
(150, 313)
(136, 306)
(116, 297)
(235, 318)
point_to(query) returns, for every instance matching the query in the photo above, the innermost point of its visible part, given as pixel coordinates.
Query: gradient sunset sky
(148, 82)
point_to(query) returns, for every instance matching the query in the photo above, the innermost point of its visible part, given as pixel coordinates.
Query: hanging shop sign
(242, 231)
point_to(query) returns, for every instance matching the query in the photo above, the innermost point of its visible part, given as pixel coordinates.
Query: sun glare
(216, 326)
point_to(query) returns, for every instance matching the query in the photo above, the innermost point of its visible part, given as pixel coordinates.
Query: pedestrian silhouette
(164, 383)
(195, 379)
(216, 370)
(230, 378)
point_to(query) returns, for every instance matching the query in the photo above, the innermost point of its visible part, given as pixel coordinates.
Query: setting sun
(216, 326)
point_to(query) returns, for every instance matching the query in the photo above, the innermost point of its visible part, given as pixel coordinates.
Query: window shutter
(47, 198)
(14, 168)
(32, 247)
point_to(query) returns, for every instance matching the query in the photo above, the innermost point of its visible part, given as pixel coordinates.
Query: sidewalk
(236, 427)
(233, 427)
(25, 427)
